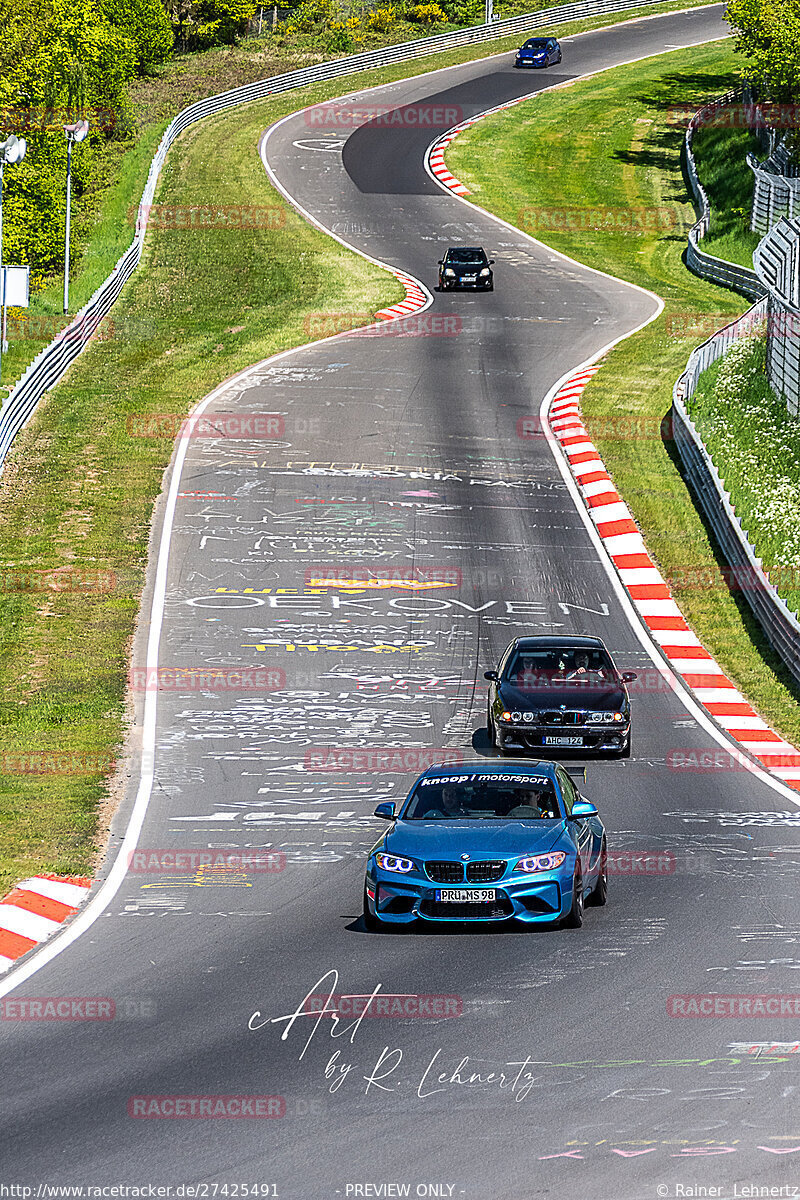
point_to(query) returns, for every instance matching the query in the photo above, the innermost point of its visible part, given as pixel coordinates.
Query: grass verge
(522, 166)
(721, 158)
(756, 445)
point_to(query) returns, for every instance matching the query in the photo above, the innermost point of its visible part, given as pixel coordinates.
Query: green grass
(721, 158)
(521, 164)
(755, 443)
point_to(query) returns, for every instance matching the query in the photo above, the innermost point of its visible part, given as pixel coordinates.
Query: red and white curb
(434, 155)
(34, 910)
(415, 299)
(652, 598)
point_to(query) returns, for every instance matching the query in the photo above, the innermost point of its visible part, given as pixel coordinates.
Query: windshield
(467, 255)
(530, 670)
(483, 798)
(535, 44)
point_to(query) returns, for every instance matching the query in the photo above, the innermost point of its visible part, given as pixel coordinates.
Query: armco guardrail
(52, 362)
(773, 614)
(717, 270)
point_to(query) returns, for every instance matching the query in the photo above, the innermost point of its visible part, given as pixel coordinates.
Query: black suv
(466, 267)
(559, 693)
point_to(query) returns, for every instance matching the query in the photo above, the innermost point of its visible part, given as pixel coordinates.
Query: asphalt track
(402, 452)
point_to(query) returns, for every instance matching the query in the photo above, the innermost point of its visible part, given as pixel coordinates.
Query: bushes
(427, 14)
(60, 60)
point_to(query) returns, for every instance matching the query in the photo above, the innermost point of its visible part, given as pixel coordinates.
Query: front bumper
(476, 284)
(594, 738)
(541, 898)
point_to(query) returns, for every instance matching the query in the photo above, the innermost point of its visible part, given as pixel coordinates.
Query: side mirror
(581, 809)
(629, 676)
(491, 262)
(441, 262)
(491, 675)
(385, 810)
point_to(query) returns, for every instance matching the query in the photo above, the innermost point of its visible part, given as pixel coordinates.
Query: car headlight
(393, 862)
(617, 716)
(485, 271)
(595, 718)
(540, 862)
(448, 271)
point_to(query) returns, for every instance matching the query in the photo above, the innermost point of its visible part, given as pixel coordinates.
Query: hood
(607, 697)
(465, 268)
(481, 839)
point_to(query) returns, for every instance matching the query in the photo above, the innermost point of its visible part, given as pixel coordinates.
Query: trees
(61, 60)
(768, 36)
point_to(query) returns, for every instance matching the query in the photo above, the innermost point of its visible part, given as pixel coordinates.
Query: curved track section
(550, 1066)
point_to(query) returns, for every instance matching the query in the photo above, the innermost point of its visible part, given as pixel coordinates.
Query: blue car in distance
(480, 842)
(538, 52)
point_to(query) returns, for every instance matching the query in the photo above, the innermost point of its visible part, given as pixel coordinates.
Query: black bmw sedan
(559, 693)
(466, 267)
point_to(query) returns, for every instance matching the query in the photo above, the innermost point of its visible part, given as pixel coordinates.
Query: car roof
(480, 766)
(571, 640)
(477, 249)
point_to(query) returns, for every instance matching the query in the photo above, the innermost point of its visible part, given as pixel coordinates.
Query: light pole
(75, 133)
(12, 151)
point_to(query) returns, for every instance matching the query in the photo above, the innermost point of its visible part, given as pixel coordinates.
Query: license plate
(469, 279)
(563, 741)
(467, 895)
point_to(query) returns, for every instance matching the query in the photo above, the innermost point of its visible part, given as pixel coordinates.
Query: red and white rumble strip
(415, 299)
(652, 598)
(435, 153)
(34, 910)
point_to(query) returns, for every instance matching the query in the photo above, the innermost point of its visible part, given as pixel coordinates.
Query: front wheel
(599, 893)
(574, 918)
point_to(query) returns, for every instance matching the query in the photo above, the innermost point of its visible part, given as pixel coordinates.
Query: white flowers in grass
(755, 446)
